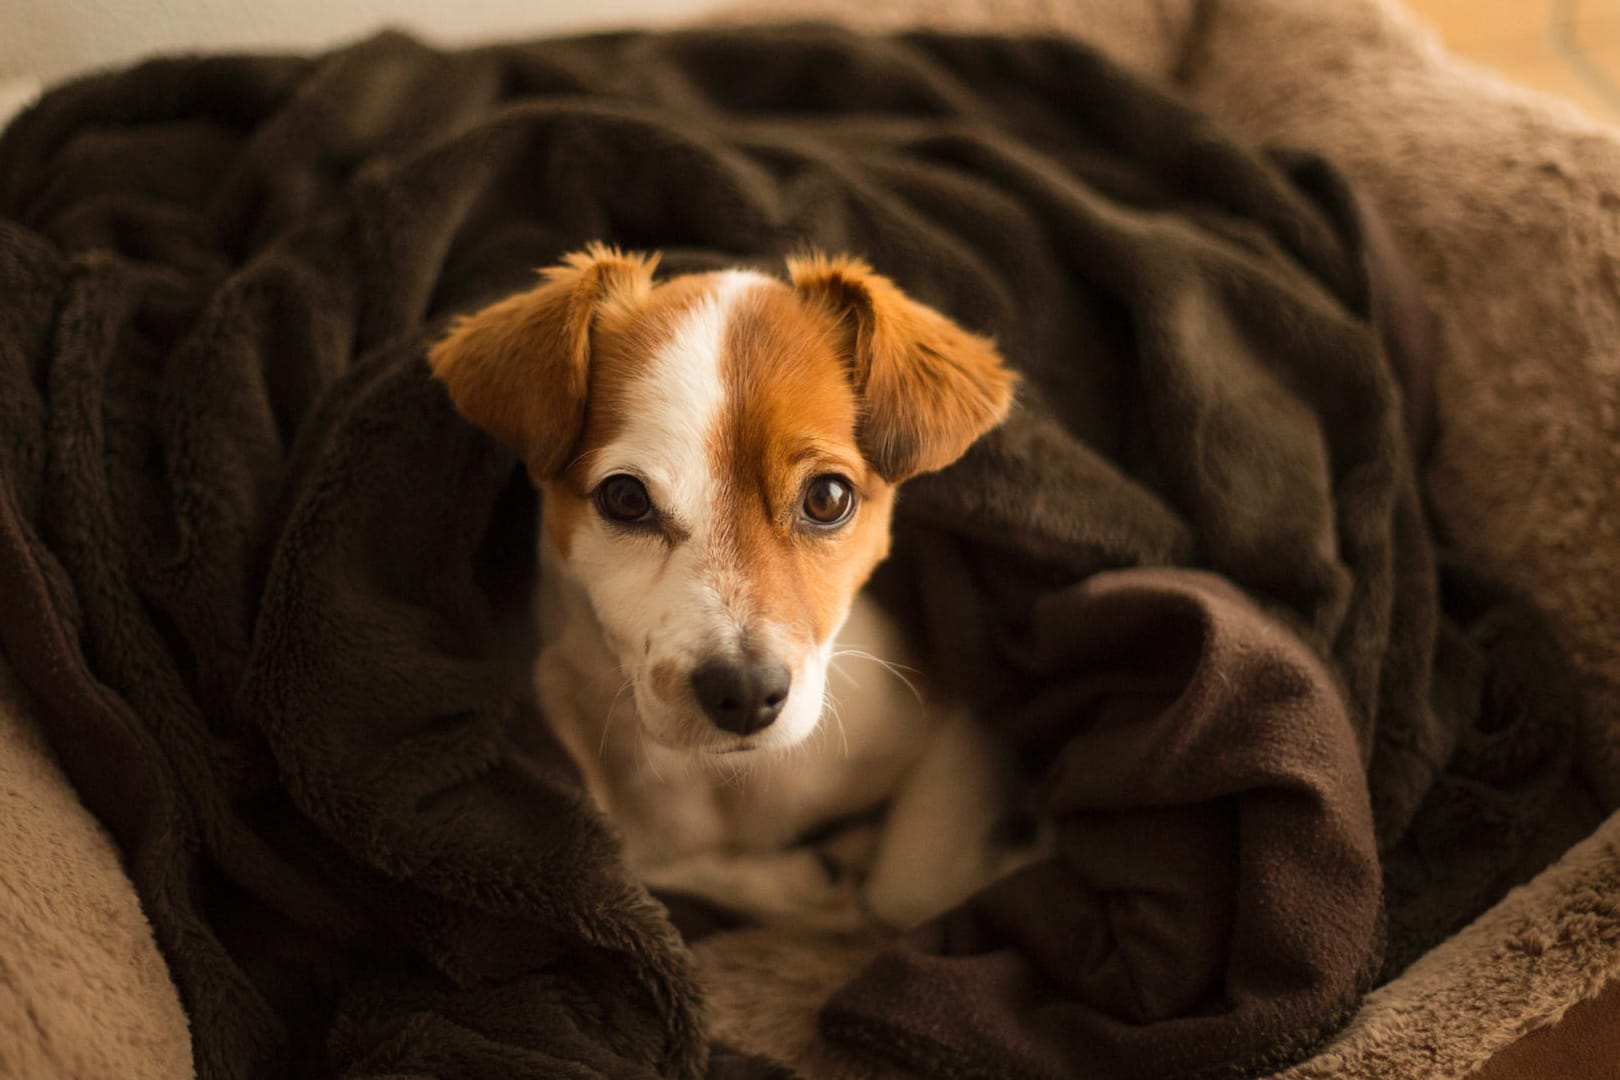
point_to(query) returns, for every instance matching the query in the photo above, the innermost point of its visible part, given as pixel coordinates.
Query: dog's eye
(829, 500)
(623, 498)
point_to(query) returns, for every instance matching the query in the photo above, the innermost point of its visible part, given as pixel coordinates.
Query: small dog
(718, 456)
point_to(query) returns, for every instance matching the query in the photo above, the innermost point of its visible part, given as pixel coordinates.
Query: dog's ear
(519, 368)
(927, 387)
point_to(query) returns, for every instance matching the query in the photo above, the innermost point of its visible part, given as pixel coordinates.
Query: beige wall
(47, 39)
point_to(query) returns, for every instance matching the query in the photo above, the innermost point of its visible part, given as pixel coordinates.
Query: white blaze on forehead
(670, 607)
(673, 406)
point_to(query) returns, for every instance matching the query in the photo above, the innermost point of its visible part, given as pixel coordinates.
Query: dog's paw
(912, 886)
(801, 887)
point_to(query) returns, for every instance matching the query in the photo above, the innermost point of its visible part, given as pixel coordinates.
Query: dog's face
(718, 455)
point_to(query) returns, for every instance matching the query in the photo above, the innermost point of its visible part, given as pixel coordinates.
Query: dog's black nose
(741, 695)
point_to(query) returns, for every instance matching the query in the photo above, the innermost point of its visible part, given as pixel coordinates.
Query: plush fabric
(262, 571)
(1502, 200)
(1468, 168)
(1583, 1045)
(84, 993)
(1478, 179)
(270, 677)
(1549, 946)
(1210, 828)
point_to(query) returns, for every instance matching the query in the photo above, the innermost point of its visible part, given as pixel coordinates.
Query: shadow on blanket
(264, 582)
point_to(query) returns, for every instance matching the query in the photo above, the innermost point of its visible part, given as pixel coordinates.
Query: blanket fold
(271, 592)
(1214, 797)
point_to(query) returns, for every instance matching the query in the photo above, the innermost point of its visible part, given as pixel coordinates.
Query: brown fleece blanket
(1213, 789)
(265, 584)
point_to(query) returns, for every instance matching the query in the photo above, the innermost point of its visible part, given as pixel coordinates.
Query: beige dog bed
(1506, 205)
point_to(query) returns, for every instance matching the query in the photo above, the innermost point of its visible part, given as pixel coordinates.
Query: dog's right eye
(624, 499)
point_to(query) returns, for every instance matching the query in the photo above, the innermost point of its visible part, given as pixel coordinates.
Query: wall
(48, 39)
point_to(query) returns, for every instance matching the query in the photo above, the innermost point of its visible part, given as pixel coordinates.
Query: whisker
(646, 755)
(897, 670)
(732, 774)
(607, 722)
(836, 707)
(862, 654)
(834, 666)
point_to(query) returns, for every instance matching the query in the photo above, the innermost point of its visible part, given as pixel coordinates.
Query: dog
(718, 456)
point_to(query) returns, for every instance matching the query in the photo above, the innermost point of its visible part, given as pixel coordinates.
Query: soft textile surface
(1502, 198)
(1548, 945)
(1212, 809)
(1480, 181)
(259, 574)
(83, 990)
(1584, 1045)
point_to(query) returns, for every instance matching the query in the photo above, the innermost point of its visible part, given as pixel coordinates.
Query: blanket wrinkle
(264, 581)
(1206, 803)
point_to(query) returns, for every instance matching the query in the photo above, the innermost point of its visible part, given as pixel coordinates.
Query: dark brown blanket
(1212, 810)
(269, 588)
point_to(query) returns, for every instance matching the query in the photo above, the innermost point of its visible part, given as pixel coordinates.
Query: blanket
(270, 591)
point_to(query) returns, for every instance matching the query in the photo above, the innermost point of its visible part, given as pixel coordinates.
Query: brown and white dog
(718, 456)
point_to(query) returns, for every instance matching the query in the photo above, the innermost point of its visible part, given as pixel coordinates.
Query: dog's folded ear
(519, 368)
(928, 388)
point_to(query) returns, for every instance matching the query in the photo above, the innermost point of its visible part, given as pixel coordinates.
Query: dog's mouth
(701, 741)
(722, 745)
(718, 746)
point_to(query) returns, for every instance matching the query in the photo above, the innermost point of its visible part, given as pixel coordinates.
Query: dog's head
(718, 455)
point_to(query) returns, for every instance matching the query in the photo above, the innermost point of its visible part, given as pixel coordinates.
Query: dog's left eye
(829, 500)
(624, 499)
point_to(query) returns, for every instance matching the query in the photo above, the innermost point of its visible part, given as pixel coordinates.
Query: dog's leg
(799, 887)
(941, 842)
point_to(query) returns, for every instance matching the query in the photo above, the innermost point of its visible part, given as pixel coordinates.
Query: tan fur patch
(624, 342)
(519, 368)
(791, 415)
(928, 388)
(667, 682)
